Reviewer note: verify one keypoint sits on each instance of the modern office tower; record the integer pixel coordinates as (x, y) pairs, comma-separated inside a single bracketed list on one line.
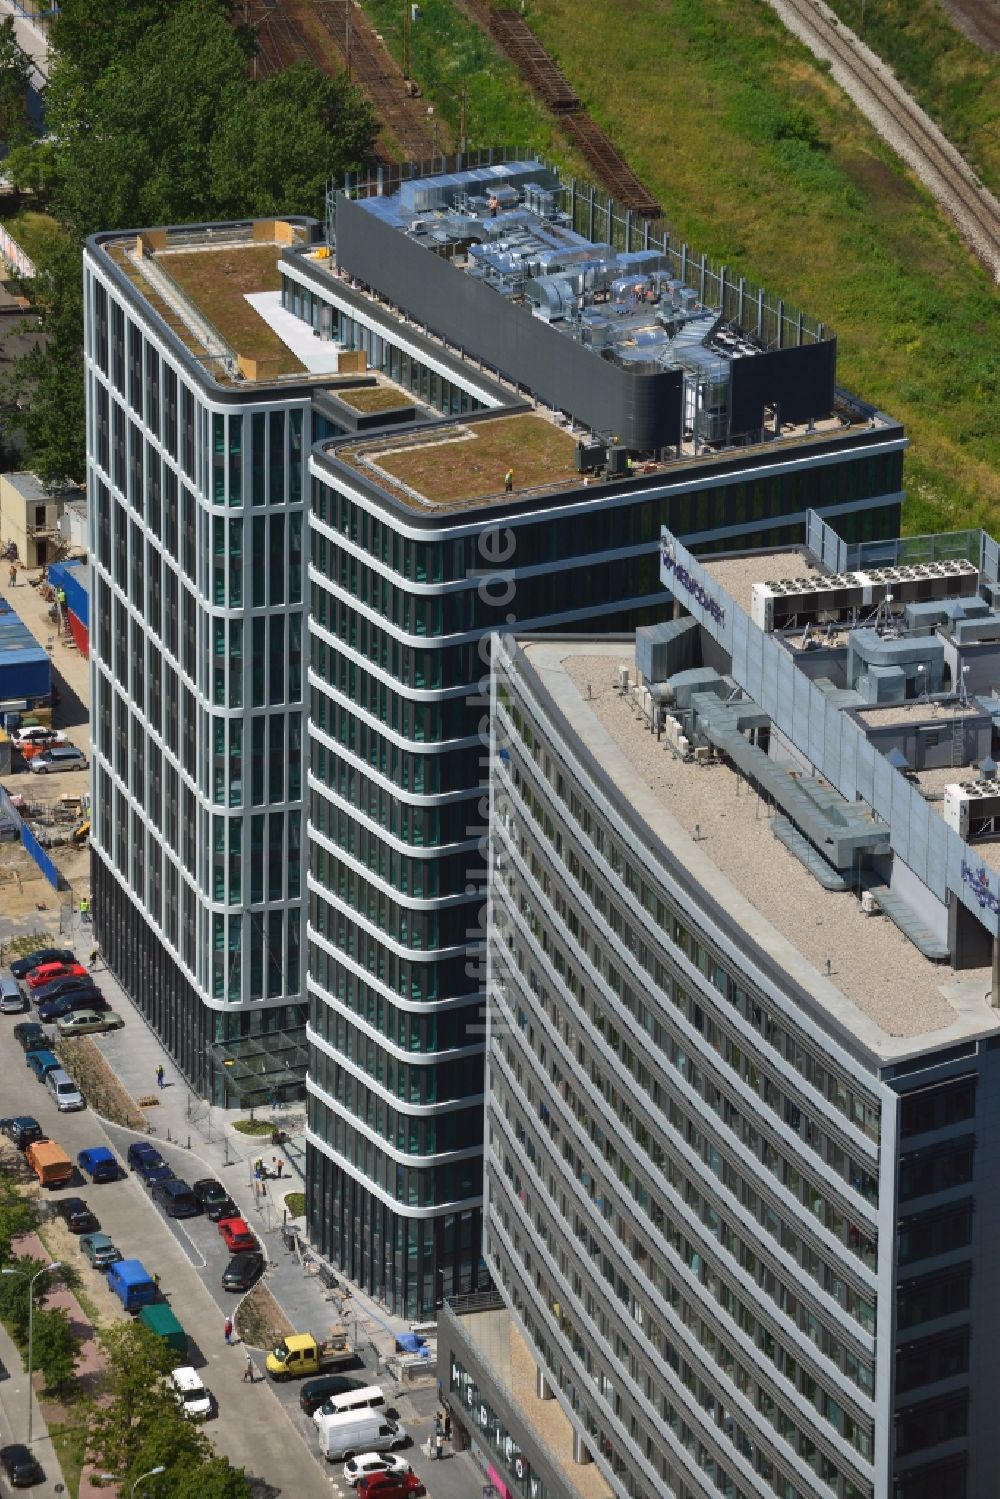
[(620, 386), (196, 442), (743, 1148), (507, 388)]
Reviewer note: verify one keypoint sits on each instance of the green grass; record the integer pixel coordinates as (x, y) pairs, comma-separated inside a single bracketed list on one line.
[(759, 158), (31, 230), (295, 1202), (447, 50), (955, 81), (371, 398), (20, 947), (254, 1127)]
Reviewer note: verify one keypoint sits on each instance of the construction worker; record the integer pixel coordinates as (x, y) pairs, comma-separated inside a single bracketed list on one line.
[(61, 600), (508, 481), (85, 906)]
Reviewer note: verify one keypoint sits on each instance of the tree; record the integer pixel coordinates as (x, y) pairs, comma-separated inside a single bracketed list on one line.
[(15, 80), (56, 1346), (153, 119), (14, 1294), (143, 1426), (16, 1218)]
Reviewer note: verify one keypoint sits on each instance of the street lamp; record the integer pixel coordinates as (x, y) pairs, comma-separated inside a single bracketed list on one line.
[(23, 1274), (115, 1478)]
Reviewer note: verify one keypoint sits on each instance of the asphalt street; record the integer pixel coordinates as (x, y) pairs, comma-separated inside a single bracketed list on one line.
[(254, 1423)]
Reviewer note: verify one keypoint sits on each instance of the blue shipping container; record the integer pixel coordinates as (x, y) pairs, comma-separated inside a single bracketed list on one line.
[(25, 668), (74, 579)]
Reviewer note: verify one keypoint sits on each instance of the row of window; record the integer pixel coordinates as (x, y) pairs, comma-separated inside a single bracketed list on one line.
[(423, 877), (401, 974), (418, 1031), (426, 1134), (422, 774), (734, 503), (435, 1082), (731, 1235), (422, 827), (412, 1185), (843, 1093)]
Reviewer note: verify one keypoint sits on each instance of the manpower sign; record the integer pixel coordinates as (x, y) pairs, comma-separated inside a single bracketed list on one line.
[(691, 586)]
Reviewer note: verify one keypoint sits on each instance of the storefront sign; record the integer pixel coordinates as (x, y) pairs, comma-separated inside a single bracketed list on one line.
[(676, 576)]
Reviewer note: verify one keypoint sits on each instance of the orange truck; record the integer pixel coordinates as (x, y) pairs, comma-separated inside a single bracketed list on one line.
[(50, 1163)]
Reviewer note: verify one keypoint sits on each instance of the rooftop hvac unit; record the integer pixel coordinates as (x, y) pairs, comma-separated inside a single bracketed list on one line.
[(974, 803), (623, 678), (869, 905)]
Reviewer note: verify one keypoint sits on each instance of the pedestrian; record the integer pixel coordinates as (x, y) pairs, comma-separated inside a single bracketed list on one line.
[(160, 1076), (12, 574), (227, 1328), (61, 598), (439, 1446), (156, 1279), (447, 1426), (84, 908), (248, 1372), (494, 205), (508, 481), (437, 1424), (94, 955)]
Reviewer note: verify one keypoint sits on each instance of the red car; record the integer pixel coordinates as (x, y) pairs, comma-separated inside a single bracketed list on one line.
[(51, 971), (237, 1235), (389, 1486)]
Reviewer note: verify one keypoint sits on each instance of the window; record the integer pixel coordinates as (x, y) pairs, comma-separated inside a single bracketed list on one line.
[(928, 1234), (928, 1297), (931, 1359), (938, 1107), (933, 1480), (931, 1423), (937, 1169)]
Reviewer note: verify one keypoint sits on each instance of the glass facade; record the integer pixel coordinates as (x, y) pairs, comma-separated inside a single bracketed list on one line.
[(400, 615), (196, 669)]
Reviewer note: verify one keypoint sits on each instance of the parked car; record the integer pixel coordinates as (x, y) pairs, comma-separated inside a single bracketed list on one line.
[(20, 1465), (46, 972), (236, 1235), (41, 1061), (242, 1271), (12, 1001), (315, 1391), (367, 1463), (99, 1164), (196, 1402), (389, 1486), (212, 1194), (22, 1130), (176, 1198), (21, 967), (147, 1163), (83, 999), (100, 1250), (37, 734), (29, 1035), (67, 1094), (58, 988), (77, 1216), (59, 757), (84, 1022)]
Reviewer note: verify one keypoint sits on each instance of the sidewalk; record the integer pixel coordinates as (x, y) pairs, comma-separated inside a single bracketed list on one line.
[(13, 1399)]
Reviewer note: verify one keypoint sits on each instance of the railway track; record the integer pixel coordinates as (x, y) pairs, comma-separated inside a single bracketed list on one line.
[(375, 71), (544, 77), (880, 96), (280, 40)]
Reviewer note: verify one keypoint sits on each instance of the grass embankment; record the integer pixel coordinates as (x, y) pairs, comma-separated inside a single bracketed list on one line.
[(760, 159), (955, 81)]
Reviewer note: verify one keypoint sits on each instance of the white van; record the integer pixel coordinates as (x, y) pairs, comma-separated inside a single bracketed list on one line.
[(196, 1402), (341, 1437), (64, 1090), (370, 1398)]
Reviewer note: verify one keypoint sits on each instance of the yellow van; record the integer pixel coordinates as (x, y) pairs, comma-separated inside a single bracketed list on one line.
[(50, 1163)]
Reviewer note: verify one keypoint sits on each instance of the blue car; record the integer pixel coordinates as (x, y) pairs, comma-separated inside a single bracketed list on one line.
[(82, 999), (99, 1164), (58, 987), (148, 1164)]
